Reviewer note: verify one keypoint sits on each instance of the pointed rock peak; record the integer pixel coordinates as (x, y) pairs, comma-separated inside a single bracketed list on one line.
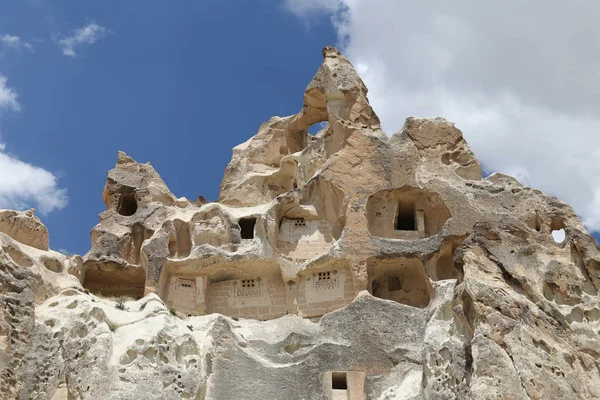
[(336, 73), (123, 158), (331, 51), (130, 178), (337, 92)]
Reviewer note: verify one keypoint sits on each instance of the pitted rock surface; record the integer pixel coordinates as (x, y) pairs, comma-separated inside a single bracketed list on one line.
[(348, 264)]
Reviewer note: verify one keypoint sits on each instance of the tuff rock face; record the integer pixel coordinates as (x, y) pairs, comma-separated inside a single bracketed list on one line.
[(342, 265)]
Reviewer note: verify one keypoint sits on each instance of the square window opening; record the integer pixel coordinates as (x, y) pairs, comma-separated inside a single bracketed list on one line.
[(247, 227), (324, 276), (339, 381)]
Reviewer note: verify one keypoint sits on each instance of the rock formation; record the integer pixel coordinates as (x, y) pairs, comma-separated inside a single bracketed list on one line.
[(341, 265)]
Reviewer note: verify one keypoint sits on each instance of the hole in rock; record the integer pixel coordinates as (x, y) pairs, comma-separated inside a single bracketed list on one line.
[(52, 264), (559, 235), (180, 240), (400, 280), (405, 221), (339, 381), (110, 279), (406, 213), (315, 128), (247, 227), (535, 223), (132, 248), (127, 204), (441, 265)]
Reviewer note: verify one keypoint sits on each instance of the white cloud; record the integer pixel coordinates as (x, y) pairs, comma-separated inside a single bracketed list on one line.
[(520, 79), (87, 35), (14, 42), (23, 185), (8, 97)]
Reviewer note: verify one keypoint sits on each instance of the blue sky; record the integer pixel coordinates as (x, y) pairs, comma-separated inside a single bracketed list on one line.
[(181, 83), (176, 85)]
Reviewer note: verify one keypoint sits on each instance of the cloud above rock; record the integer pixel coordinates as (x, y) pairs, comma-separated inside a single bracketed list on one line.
[(24, 185), (520, 79)]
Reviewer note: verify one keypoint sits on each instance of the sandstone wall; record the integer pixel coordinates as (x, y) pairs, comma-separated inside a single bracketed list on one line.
[(258, 298), (324, 291), (473, 299), (304, 239)]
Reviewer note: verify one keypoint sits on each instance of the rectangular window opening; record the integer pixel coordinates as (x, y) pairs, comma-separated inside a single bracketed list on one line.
[(406, 221), (339, 381), (247, 227), (393, 284)]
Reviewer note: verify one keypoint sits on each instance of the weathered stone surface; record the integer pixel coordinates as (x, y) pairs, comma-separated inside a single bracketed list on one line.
[(346, 264), (24, 227)]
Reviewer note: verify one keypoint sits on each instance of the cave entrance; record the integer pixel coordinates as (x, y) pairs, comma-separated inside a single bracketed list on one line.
[(247, 227), (127, 204), (400, 280), (407, 213), (111, 279)]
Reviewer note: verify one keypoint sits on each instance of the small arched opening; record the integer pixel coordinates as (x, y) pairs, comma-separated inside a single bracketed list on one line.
[(559, 235), (127, 204)]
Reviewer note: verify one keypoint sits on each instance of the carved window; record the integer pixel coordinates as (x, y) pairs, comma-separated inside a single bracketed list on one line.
[(247, 227), (328, 280), (322, 276), (300, 223), (339, 381), (405, 219), (247, 288), (248, 283), (295, 228), (186, 284)]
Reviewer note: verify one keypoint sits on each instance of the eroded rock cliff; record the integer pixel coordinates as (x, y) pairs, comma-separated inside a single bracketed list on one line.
[(341, 265)]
